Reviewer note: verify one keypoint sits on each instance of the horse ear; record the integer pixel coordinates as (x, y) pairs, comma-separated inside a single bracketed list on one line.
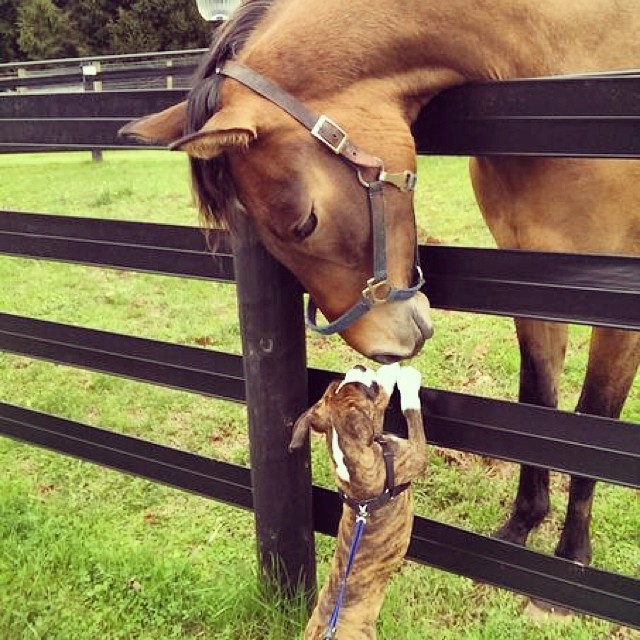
[(227, 129), (164, 127)]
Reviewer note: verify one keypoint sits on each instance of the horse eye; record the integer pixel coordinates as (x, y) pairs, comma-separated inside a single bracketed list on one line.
[(303, 231)]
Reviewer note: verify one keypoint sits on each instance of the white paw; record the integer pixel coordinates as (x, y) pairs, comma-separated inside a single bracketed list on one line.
[(387, 376), (409, 380), (356, 374)]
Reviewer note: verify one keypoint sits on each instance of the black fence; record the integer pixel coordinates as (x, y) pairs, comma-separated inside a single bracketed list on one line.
[(166, 69), (595, 290)]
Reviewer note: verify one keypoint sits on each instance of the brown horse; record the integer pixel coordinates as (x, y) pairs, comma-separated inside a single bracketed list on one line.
[(370, 66)]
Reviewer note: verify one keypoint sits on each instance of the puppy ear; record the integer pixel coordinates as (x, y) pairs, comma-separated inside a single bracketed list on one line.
[(308, 420), (300, 431), (313, 418)]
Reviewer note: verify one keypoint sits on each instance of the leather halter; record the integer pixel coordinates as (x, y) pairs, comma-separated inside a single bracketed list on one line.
[(390, 491), (378, 290)]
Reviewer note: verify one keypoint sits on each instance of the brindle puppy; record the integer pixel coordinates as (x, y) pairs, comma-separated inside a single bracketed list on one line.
[(350, 414)]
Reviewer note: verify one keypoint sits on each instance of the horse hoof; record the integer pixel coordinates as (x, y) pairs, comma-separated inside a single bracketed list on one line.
[(541, 612), (507, 534)]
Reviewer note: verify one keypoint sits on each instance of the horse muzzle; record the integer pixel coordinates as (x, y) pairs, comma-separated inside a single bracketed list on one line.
[(393, 332)]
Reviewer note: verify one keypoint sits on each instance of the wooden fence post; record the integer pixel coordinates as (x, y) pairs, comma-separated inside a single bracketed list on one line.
[(90, 73), (273, 340), (22, 73), (169, 64)]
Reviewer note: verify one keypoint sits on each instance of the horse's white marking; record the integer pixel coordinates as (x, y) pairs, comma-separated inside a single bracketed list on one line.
[(409, 385), (338, 457), (387, 376), (366, 377)]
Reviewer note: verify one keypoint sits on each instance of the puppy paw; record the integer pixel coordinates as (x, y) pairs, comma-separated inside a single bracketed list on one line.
[(408, 382), (387, 376)]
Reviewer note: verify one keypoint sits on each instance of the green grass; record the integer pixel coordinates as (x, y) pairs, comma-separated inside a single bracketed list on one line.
[(129, 185), (86, 552)]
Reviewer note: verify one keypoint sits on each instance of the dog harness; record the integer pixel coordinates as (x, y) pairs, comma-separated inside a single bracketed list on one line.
[(363, 509)]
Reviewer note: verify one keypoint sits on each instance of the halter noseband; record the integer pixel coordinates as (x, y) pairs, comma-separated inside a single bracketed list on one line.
[(378, 290)]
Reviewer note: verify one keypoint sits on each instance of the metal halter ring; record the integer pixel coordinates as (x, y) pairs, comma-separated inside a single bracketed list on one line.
[(377, 291)]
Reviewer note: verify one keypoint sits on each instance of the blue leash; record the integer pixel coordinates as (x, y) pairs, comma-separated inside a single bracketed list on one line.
[(361, 523)]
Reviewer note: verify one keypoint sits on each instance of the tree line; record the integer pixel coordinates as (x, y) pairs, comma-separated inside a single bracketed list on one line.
[(42, 29)]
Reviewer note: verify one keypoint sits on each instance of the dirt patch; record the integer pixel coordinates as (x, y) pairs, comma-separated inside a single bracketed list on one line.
[(465, 461)]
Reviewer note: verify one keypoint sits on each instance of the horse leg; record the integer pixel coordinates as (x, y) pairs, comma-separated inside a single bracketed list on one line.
[(613, 362), (542, 352)]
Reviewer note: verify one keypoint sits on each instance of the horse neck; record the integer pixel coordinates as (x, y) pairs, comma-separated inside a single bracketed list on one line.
[(427, 46)]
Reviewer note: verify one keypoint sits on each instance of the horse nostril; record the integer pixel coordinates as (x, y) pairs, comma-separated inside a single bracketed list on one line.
[(427, 331), (425, 325), (386, 358)]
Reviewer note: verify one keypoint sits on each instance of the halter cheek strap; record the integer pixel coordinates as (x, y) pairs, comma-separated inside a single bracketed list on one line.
[(378, 290), (320, 126)]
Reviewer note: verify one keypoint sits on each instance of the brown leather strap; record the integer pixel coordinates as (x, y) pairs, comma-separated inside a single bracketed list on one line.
[(320, 126), (387, 454), (375, 193)]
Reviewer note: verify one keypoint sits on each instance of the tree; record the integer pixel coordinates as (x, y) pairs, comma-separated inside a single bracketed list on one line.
[(41, 29), (44, 31), (158, 25), (93, 19), (8, 30)]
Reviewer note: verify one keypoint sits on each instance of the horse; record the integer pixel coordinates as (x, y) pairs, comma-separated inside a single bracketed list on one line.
[(331, 197)]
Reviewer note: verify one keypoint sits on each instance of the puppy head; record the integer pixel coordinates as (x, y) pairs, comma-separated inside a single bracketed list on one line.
[(350, 414)]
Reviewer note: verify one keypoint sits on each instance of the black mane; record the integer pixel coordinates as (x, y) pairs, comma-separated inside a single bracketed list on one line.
[(211, 179)]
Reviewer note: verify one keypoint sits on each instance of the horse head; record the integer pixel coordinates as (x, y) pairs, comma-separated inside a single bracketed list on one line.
[(307, 183)]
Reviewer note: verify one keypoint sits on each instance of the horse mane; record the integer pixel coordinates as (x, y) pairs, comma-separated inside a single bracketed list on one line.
[(212, 185)]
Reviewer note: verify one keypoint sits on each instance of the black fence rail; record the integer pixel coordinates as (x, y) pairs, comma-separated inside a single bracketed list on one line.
[(600, 448), (525, 117), (564, 441), (586, 289), (536, 118), (469, 554)]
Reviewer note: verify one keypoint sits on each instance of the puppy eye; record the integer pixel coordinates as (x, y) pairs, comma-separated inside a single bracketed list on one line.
[(303, 231)]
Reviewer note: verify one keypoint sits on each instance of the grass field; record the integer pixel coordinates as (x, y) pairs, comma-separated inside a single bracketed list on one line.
[(87, 553)]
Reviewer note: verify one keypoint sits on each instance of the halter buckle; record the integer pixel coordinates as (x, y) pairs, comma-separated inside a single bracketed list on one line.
[(377, 291), (335, 138), (405, 180)]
